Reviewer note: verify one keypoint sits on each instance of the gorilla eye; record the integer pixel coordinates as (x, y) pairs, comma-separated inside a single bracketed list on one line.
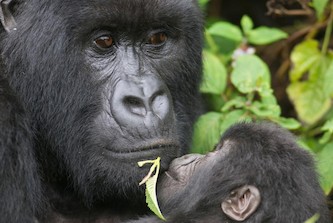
[(157, 38), (104, 42)]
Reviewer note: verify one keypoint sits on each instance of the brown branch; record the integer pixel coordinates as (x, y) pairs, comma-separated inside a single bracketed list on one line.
[(278, 8)]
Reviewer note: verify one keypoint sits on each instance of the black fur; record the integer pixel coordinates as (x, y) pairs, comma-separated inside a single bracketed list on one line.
[(262, 155), (61, 103)]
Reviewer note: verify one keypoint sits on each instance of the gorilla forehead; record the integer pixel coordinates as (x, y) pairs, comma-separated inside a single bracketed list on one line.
[(131, 14)]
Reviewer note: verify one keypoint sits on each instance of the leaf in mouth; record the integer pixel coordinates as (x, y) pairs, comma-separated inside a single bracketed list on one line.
[(150, 180)]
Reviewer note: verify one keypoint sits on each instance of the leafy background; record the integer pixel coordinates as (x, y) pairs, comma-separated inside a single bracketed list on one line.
[(239, 82)]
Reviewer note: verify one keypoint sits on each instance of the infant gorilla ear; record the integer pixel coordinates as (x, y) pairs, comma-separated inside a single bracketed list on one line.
[(257, 173), (241, 203)]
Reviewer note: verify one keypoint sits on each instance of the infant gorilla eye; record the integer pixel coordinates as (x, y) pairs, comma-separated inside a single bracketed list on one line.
[(104, 42), (157, 38)]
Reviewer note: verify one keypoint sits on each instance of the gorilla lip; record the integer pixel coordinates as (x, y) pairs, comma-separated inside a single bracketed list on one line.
[(146, 148)]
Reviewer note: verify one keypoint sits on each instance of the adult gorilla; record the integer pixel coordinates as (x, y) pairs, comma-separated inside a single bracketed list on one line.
[(91, 87)]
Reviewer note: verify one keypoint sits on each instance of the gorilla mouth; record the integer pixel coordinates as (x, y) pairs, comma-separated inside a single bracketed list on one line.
[(148, 148)]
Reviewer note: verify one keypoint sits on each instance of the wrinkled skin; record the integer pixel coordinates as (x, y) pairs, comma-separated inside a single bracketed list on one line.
[(102, 84)]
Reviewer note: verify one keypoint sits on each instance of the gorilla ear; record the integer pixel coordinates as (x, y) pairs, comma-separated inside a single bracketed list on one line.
[(6, 17), (241, 203)]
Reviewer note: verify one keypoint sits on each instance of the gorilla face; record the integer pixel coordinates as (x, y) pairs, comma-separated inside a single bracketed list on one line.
[(108, 83)]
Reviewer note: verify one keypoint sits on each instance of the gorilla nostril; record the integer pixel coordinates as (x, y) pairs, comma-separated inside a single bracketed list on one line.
[(135, 105), (160, 104)]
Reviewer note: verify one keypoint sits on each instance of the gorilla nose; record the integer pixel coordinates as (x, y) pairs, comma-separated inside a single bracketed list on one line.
[(145, 101), (157, 103)]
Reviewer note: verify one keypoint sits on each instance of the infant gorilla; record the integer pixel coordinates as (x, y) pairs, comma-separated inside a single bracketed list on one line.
[(257, 173)]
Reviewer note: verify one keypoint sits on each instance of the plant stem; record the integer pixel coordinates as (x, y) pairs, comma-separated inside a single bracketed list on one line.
[(328, 33)]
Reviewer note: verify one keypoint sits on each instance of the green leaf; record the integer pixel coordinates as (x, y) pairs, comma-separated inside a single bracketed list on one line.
[(304, 57), (231, 118), (215, 75), (310, 101), (151, 181), (237, 102), (250, 74), (328, 126), (325, 138), (314, 219), (226, 30), (206, 132), (325, 167), (319, 6), (247, 24), (288, 123), (264, 110), (267, 97), (328, 129), (265, 35)]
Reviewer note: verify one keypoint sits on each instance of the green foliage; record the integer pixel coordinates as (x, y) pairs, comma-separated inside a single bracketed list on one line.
[(237, 86), (319, 6), (203, 3), (312, 97), (215, 74), (325, 166), (265, 35), (151, 180)]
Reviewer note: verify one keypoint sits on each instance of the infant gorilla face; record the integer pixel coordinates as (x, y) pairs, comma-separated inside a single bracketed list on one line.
[(190, 172), (182, 169)]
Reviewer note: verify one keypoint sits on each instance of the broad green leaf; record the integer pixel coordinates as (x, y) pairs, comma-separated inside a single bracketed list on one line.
[(267, 96), (269, 101), (237, 102), (328, 129), (325, 138), (231, 118), (215, 75), (151, 180), (319, 6), (325, 167), (250, 74), (314, 219), (226, 30), (310, 101), (304, 57), (328, 126), (265, 110), (247, 24), (265, 35), (206, 132), (288, 123)]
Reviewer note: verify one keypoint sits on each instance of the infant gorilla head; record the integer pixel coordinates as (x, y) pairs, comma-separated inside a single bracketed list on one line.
[(257, 173)]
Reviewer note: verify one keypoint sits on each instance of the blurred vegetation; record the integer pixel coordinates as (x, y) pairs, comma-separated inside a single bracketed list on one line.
[(282, 74)]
